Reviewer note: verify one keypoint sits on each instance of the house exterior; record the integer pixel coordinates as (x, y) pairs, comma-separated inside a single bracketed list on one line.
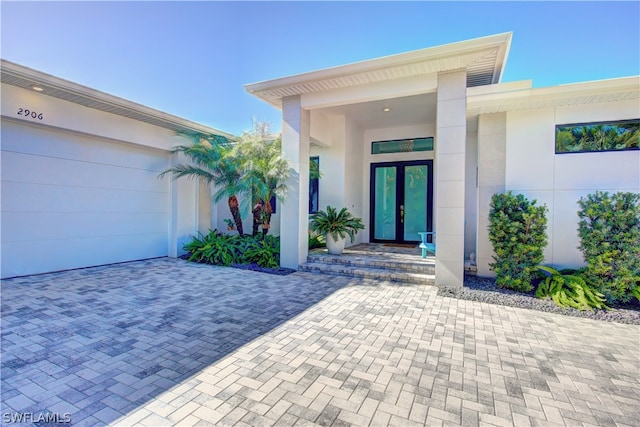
[(413, 142), (79, 179), (420, 141)]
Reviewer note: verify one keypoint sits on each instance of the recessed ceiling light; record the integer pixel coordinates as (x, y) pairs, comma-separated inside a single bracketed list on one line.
[(386, 109), (37, 88)]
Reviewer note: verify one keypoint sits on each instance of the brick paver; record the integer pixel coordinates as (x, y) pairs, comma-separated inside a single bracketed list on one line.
[(164, 342)]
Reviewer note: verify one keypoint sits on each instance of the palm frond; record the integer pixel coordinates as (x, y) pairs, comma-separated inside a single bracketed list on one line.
[(189, 171)]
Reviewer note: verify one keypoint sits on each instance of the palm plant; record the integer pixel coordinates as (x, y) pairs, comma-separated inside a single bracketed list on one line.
[(265, 171), (336, 226), (212, 161)]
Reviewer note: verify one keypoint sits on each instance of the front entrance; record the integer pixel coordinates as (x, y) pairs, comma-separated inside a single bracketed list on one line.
[(401, 201)]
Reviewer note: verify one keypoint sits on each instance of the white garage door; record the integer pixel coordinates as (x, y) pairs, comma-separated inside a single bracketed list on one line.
[(70, 201)]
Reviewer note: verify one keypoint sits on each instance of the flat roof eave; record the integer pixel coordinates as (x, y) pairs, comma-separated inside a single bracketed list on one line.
[(25, 77), (430, 60)]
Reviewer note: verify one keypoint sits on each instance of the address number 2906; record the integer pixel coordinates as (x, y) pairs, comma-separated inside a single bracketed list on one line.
[(25, 112)]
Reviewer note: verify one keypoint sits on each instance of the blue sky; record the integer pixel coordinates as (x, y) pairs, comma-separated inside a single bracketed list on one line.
[(192, 59)]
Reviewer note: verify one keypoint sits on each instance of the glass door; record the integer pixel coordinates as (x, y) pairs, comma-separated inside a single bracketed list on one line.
[(401, 201)]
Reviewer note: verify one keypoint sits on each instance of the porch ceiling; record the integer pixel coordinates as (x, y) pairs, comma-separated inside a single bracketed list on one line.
[(405, 111)]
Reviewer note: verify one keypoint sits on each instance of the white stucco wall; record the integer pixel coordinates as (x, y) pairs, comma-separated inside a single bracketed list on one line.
[(332, 164), (80, 188), (559, 180), (354, 186), (341, 167)]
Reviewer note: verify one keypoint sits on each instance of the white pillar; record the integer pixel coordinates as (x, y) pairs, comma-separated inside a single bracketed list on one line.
[(294, 216), (204, 207), (492, 141), (183, 221), (451, 125)]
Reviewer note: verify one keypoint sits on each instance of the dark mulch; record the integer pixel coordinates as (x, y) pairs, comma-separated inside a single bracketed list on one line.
[(280, 271)]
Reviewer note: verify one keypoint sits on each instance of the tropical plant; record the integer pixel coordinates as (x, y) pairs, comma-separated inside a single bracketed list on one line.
[(517, 230), (314, 168), (221, 249), (316, 241), (211, 159), (336, 224), (214, 248), (264, 251), (265, 170), (609, 231), (568, 290)]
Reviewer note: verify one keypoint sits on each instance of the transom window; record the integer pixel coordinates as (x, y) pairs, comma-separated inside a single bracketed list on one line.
[(402, 145)]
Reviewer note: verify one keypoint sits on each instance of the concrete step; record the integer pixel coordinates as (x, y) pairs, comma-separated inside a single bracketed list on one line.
[(350, 270), (397, 264)]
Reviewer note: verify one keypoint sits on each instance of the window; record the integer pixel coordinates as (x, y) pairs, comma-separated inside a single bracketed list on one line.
[(598, 136), (402, 146), (314, 178)]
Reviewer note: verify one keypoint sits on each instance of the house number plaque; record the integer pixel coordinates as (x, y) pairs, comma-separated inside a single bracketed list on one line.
[(27, 113)]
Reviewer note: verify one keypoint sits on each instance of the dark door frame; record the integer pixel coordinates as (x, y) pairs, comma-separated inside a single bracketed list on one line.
[(399, 198)]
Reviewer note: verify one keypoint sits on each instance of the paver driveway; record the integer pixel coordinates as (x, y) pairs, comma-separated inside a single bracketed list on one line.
[(163, 342)]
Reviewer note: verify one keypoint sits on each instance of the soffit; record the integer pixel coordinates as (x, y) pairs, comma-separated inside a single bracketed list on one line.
[(23, 77), (483, 58), (622, 89)]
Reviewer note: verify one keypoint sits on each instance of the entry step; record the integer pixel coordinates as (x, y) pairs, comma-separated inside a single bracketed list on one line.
[(369, 272)]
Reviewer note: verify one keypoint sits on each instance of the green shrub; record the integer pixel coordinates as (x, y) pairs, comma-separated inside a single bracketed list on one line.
[(568, 290), (609, 231), (316, 241), (214, 248), (264, 252), (517, 231), (222, 249)]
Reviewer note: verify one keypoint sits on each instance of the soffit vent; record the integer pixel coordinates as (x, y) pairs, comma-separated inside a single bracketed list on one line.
[(22, 77)]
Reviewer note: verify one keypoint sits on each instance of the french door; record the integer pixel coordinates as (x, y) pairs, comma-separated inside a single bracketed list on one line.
[(401, 201)]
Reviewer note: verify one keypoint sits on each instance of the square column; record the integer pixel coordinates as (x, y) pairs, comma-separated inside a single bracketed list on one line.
[(492, 142), (294, 216), (183, 218), (451, 130)]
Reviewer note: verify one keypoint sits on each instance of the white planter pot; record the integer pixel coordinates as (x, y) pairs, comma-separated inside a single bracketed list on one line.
[(335, 247)]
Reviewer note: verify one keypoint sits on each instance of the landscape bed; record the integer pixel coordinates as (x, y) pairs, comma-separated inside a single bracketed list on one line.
[(485, 290)]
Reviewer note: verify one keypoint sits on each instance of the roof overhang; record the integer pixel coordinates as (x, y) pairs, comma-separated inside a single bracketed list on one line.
[(513, 96), (484, 59), (24, 77)]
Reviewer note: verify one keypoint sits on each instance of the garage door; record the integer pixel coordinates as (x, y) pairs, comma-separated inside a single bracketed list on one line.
[(72, 200)]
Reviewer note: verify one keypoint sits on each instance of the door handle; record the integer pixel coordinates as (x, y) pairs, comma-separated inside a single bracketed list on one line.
[(401, 214)]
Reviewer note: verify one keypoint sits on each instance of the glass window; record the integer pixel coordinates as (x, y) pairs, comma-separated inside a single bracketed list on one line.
[(598, 136), (314, 178), (402, 146)]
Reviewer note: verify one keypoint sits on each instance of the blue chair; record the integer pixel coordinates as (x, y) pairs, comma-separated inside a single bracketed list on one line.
[(426, 246)]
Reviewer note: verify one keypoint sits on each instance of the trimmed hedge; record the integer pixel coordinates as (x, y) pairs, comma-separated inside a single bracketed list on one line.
[(609, 231), (517, 231)]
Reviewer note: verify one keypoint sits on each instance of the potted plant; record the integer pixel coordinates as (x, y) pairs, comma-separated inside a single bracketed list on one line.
[(336, 226)]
